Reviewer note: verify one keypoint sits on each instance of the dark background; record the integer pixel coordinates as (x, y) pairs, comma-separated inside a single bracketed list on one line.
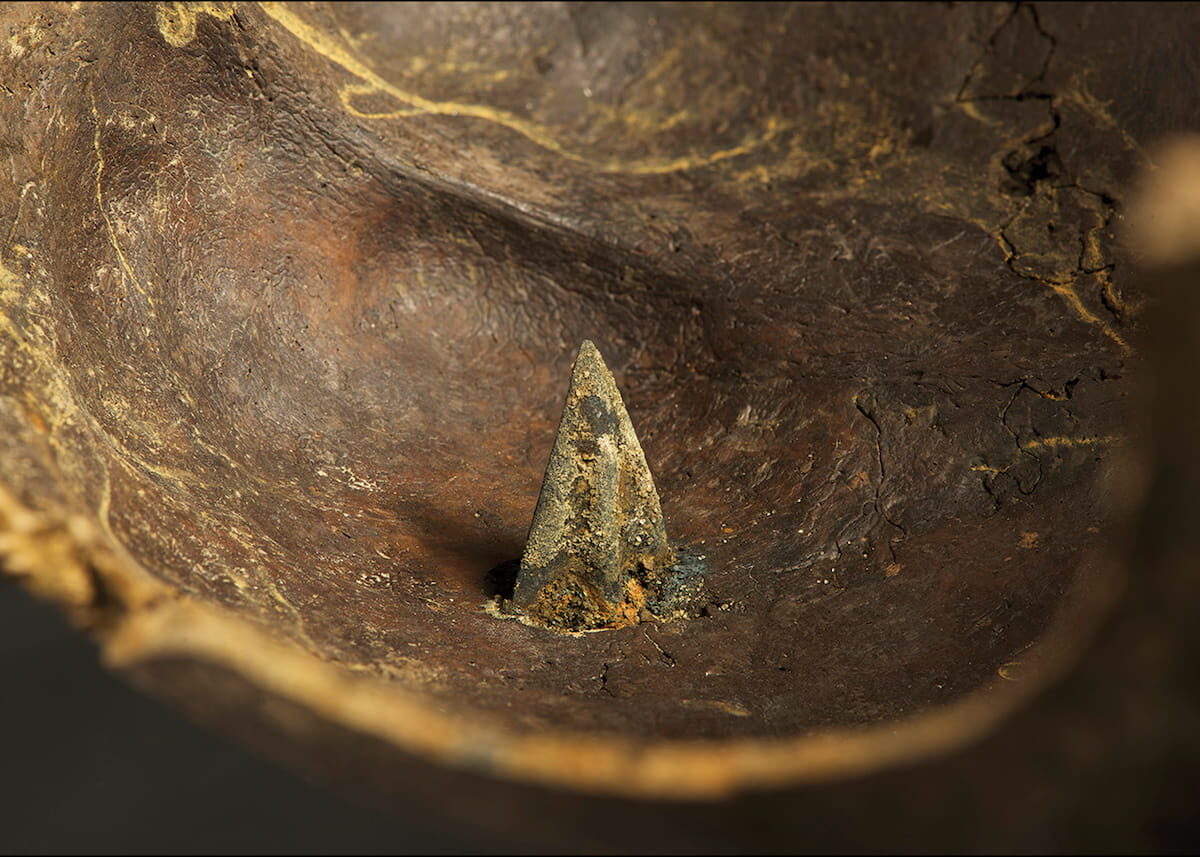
[(88, 764)]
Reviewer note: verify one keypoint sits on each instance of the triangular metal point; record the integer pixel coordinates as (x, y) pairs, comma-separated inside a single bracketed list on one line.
[(597, 543)]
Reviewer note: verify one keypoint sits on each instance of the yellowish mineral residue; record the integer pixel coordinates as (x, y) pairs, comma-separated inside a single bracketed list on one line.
[(177, 21)]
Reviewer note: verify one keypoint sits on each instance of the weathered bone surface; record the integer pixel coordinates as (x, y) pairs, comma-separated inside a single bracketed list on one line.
[(598, 541), (287, 300)]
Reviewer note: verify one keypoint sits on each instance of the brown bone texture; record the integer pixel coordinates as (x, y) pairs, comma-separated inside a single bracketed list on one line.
[(289, 294)]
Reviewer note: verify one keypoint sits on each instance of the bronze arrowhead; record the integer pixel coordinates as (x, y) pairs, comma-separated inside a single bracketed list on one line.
[(597, 546)]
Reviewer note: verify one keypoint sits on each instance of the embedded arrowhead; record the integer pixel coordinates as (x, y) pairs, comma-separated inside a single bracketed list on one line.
[(597, 541)]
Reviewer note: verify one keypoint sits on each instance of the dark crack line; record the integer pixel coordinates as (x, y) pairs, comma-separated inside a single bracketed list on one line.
[(1104, 271), (987, 48), (1108, 298), (879, 510), (1108, 209), (1048, 36), (1026, 90), (604, 681), (1108, 205), (1024, 385)]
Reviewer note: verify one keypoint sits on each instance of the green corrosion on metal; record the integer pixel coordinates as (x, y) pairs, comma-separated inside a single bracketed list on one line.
[(597, 555)]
